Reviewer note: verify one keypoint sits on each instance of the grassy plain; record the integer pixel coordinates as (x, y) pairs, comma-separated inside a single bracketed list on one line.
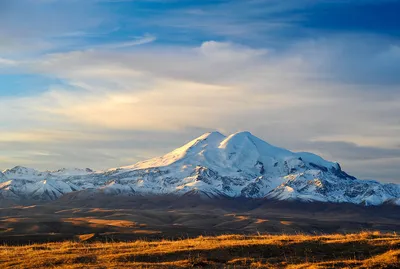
[(359, 250)]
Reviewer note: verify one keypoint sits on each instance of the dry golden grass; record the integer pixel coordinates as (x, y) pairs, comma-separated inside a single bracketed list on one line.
[(362, 250)]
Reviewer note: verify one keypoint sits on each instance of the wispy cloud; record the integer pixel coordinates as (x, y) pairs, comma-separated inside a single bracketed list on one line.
[(7, 62), (282, 97), (135, 42)]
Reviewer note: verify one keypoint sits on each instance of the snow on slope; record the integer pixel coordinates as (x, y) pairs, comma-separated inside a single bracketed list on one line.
[(193, 149), (71, 172), (20, 172), (2, 177), (27, 183), (240, 151), (212, 165)]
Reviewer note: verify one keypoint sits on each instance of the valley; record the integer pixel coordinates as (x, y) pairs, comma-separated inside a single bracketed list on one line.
[(115, 218)]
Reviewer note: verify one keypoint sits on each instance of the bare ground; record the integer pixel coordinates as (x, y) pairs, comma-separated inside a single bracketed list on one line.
[(116, 218)]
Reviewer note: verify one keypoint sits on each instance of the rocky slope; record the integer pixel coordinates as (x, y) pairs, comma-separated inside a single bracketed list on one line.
[(212, 165)]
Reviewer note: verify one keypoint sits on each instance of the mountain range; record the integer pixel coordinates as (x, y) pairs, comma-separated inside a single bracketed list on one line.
[(210, 166)]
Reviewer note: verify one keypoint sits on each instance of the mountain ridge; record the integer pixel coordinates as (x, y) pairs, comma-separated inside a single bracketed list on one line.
[(238, 165)]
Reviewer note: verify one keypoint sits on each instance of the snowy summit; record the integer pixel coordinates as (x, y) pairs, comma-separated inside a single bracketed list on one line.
[(212, 165)]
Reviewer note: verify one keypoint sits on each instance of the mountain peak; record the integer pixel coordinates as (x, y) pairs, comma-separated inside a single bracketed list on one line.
[(20, 169), (208, 139), (243, 134), (246, 141), (212, 165), (195, 146), (213, 134)]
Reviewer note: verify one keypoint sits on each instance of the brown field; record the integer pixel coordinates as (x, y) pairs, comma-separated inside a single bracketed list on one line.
[(164, 217), (189, 232), (361, 250)]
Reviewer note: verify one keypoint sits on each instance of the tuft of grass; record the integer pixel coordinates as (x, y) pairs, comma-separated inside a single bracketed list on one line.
[(362, 250)]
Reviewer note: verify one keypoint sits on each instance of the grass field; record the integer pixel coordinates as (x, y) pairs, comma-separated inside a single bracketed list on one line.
[(362, 250)]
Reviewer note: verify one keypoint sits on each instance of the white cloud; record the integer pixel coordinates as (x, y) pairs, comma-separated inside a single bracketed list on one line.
[(164, 91), (7, 62)]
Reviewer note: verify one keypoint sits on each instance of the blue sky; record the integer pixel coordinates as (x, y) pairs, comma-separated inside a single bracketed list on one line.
[(104, 83)]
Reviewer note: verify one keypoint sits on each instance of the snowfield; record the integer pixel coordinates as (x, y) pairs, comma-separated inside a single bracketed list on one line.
[(212, 165)]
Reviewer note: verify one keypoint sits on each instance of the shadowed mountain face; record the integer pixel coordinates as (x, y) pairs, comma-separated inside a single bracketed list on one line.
[(212, 166)]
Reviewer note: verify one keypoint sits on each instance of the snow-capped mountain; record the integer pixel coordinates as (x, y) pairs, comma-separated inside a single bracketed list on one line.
[(20, 172), (212, 165)]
